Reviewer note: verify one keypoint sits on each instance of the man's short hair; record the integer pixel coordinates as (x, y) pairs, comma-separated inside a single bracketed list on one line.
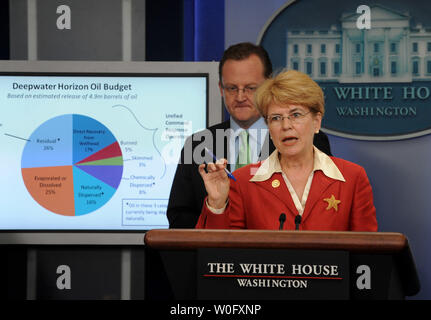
[(242, 51)]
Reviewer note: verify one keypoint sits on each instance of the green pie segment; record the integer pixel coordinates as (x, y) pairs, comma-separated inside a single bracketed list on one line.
[(116, 161)]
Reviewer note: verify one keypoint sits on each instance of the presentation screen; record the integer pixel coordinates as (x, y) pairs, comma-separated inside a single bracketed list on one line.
[(94, 151)]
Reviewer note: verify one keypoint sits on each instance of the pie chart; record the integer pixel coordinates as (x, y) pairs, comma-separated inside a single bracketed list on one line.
[(72, 165)]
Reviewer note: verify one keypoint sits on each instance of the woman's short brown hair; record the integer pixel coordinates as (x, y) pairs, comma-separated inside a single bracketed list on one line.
[(290, 87)]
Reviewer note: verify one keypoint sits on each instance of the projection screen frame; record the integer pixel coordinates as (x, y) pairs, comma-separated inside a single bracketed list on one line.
[(95, 68)]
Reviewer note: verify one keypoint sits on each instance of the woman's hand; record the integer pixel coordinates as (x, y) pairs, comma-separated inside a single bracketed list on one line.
[(216, 183)]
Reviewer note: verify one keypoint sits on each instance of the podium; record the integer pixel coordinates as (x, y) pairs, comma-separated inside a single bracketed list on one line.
[(189, 264)]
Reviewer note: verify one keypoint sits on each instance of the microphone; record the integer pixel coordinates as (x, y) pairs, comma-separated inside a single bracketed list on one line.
[(298, 219), (282, 219)]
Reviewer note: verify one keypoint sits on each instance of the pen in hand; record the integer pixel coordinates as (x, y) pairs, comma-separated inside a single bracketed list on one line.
[(229, 174)]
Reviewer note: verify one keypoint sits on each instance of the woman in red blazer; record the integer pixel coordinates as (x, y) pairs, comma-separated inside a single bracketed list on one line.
[(298, 186)]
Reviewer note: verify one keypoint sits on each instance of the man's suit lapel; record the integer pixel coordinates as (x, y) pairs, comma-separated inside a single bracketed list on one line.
[(267, 148), (224, 152)]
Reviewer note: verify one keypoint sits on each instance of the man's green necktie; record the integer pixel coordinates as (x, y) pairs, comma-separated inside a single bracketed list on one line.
[(244, 150)]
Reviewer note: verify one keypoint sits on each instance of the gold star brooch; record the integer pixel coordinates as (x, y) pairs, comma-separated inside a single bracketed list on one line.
[(332, 203)]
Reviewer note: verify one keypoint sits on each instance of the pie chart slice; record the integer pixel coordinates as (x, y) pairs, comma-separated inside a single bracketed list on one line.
[(50, 144), (103, 162), (51, 187), (111, 175), (51, 172), (89, 137), (90, 193)]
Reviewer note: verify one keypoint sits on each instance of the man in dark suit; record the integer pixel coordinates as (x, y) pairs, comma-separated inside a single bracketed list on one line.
[(242, 69)]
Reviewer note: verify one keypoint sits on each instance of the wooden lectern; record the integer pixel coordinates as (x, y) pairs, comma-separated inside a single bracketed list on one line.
[(255, 264)]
